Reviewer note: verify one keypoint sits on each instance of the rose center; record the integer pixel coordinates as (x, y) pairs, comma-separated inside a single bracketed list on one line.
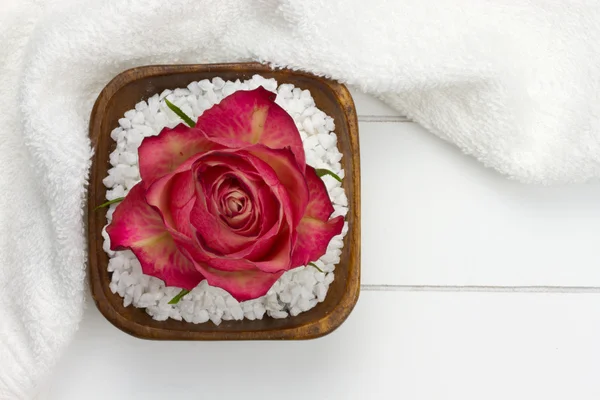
[(234, 202), (235, 205)]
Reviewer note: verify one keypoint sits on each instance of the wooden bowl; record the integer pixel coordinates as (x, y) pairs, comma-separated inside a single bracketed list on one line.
[(134, 85)]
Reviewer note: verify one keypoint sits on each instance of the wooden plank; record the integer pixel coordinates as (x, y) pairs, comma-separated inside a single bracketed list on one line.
[(433, 216), (411, 345)]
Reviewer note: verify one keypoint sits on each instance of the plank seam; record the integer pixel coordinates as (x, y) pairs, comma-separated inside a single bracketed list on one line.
[(475, 289)]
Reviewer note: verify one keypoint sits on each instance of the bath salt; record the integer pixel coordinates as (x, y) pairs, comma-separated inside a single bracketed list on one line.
[(297, 290)]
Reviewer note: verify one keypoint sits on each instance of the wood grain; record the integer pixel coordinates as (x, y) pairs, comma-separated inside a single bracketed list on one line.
[(137, 84)]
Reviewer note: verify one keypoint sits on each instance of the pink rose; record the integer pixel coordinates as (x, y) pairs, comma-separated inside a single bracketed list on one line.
[(231, 200)]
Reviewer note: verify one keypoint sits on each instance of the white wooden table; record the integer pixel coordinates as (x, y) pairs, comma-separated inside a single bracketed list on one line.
[(474, 287)]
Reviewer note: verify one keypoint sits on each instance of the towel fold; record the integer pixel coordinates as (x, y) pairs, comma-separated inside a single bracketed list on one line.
[(513, 83)]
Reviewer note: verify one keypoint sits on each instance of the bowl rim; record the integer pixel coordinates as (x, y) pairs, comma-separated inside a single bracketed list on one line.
[(310, 330)]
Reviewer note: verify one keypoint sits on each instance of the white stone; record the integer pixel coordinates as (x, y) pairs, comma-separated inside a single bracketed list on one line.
[(194, 87), (326, 140), (329, 278), (278, 314), (218, 83), (320, 292), (125, 123), (308, 126), (329, 124), (297, 290), (200, 317), (138, 118)]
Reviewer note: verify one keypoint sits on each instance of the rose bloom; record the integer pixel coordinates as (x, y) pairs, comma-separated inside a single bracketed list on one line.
[(230, 200)]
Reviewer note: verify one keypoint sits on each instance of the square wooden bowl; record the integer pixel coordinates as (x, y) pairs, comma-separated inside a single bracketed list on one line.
[(134, 85)]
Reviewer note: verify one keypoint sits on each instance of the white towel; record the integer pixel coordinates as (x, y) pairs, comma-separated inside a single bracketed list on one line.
[(513, 83)]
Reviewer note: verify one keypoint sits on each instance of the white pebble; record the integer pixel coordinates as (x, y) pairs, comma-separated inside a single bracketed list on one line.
[(208, 301), (205, 84), (342, 200), (285, 91), (329, 124), (153, 103), (215, 319), (320, 151), (285, 297), (145, 130), (131, 172), (220, 302), (326, 140), (128, 158), (329, 278), (318, 119), (227, 315), (200, 317), (228, 89), (115, 264), (297, 290), (181, 92), (330, 257), (319, 276), (130, 114), (308, 126), (194, 87), (125, 123), (237, 312), (259, 310), (309, 112), (303, 304), (211, 97), (311, 142), (320, 291), (138, 119), (330, 183), (113, 159), (134, 137), (142, 105), (116, 192), (109, 181), (334, 157), (116, 133), (278, 314), (218, 83), (115, 276), (307, 99)]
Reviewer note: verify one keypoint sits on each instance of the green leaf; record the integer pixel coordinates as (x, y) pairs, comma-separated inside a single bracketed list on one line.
[(320, 172), (180, 113), (315, 265), (176, 299), (108, 203)]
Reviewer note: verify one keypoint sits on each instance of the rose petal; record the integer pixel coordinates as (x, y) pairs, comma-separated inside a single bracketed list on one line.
[(181, 202), (242, 284), (315, 230), (173, 197), (139, 227), (253, 117), (162, 154), (270, 252), (279, 258), (289, 175), (215, 235), (319, 205), (212, 233), (313, 238)]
